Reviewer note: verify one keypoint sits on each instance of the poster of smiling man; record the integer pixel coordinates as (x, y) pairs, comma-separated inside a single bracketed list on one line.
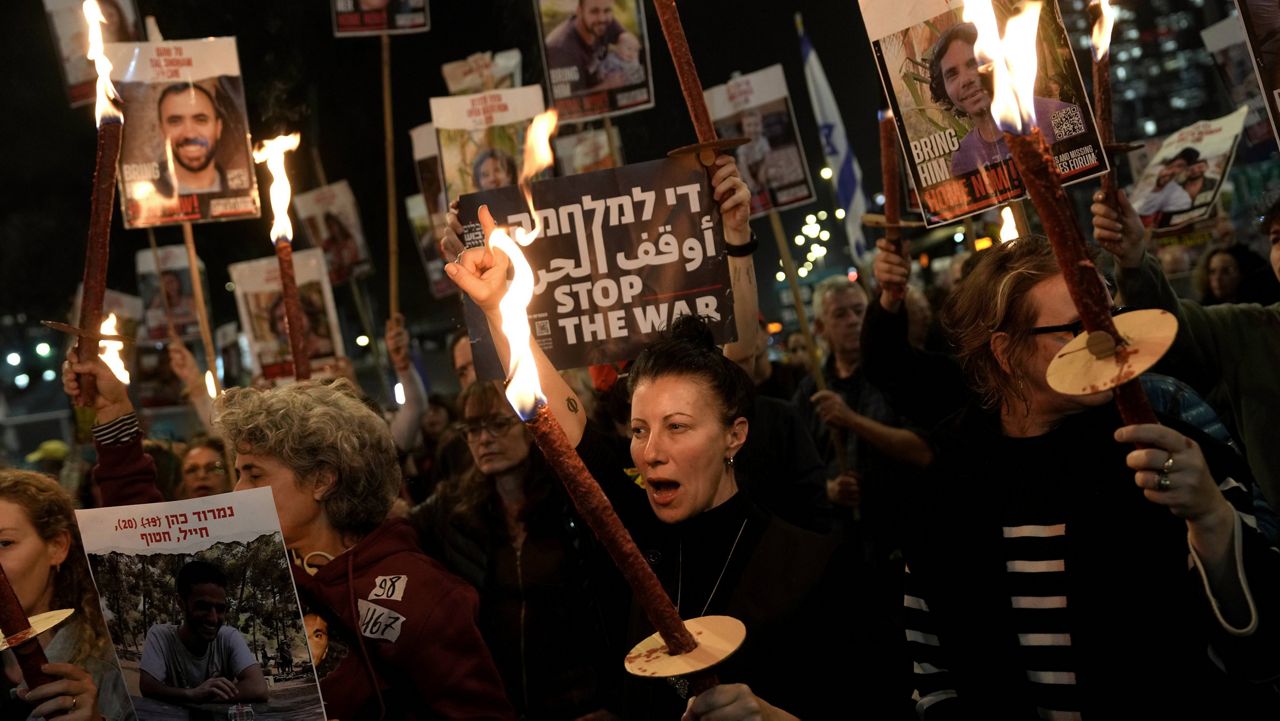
[(941, 99), (186, 150), (596, 55)]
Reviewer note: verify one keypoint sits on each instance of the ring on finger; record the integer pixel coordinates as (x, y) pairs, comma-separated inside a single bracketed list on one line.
[(74, 702), (1163, 483), (1167, 468)]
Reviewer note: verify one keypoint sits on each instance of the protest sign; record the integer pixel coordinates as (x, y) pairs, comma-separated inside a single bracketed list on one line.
[(956, 154), (607, 75), (185, 156), (260, 301), (756, 106), (160, 566), (621, 254)]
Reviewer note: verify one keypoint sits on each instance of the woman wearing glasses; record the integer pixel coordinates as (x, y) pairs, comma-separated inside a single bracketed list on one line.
[(550, 601), (204, 472), (1061, 565)]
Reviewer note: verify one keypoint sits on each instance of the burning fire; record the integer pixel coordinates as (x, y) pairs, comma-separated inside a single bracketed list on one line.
[(1102, 28), (272, 153), (104, 109), (1012, 60), (209, 386), (524, 391), (109, 350), (1008, 228)]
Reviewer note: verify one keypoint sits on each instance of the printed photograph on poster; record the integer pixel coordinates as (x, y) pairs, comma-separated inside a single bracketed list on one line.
[(167, 293), (481, 137), (353, 18), (173, 579), (232, 349), (332, 219), (622, 253), (1225, 42), (756, 106), (1261, 21), (956, 154), (186, 150), (262, 314), (71, 40), (483, 71), (1181, 182), (596, 57), (426, 237), (587, 150)]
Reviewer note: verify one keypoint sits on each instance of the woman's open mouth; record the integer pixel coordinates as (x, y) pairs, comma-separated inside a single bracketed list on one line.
[(663, 492)]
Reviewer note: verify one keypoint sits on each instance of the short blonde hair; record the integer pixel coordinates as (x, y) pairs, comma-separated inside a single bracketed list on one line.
[(313, 427)]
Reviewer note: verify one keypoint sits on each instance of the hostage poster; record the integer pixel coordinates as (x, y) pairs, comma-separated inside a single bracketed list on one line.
[(622, 253), (956, 155), (1225, 41), (332, 221), (167, 295), (186, 155), (71, 40), (262, 314), (482, 71), (1181, 182), (756, 107), (596, 55), (1261, 20), (210, 572), (481, 137), (352, 18)]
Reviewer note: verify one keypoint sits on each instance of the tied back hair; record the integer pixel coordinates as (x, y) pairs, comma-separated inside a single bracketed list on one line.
[(688, 348)]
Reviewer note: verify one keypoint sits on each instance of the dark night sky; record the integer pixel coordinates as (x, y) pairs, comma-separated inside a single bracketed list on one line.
[(298, 77)]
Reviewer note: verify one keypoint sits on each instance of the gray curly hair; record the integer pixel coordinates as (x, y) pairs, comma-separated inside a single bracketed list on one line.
[(314, 427)]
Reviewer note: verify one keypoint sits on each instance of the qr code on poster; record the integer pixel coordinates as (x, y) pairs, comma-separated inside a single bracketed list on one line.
[(1067, 122), (542, 327)]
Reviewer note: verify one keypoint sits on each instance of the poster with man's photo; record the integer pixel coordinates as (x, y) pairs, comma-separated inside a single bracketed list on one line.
[(71, 40), (481, 137), (186, 155), (202, 609), (596, 56), (621, 254), (1261, 21), (426, 161), (757, 107), (483, 71), (332, 222), (426, 237), (587, 150), (352, 18), (955, 152), (260, 301), (1181, 182), (167, 295), (1225, 41)]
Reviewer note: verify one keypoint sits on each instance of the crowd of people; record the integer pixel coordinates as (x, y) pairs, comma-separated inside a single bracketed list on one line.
[(922, 530)]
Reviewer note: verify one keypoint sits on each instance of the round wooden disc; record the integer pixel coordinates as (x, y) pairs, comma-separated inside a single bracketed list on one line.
[(39, 624), (1076, 370), (717, 636)]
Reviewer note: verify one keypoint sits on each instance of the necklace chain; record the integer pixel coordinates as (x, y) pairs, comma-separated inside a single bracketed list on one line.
[(680, 580)]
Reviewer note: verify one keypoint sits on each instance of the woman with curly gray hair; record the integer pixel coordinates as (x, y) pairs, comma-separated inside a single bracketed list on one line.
[(404, 627)]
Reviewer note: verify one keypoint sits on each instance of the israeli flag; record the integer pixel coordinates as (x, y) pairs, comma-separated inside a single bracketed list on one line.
[(835, 145)]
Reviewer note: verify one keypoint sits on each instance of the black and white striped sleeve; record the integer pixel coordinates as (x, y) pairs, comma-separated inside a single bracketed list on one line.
[(121, 430), (934, 694)]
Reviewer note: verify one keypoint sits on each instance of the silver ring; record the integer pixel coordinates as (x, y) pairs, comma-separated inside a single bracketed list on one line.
[(74, 702), (1168, 465), (1163, 484)]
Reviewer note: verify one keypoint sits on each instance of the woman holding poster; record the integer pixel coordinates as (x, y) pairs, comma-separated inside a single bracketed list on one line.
[(43, 559)]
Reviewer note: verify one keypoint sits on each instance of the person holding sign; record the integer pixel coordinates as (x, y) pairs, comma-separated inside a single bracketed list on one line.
[(43, 558), (407, 625)]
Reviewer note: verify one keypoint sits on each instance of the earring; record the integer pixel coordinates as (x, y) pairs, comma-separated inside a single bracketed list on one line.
[(728, 462)]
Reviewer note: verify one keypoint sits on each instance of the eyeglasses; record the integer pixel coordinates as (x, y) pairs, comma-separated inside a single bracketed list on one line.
[(1076, 327), (208, 469), (496, 425)]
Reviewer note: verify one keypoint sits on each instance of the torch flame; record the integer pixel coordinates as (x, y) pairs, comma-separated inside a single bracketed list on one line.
[(209, 386), (272, 153), (1102, 26), (1012, 60), (1008, 228), (104, 109), (537, 157), (110, 349)]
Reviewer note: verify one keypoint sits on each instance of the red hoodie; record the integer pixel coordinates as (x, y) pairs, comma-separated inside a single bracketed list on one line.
[(420, 654)]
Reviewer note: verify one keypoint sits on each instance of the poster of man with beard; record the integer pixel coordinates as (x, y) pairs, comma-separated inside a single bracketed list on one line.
[(186, 150)]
